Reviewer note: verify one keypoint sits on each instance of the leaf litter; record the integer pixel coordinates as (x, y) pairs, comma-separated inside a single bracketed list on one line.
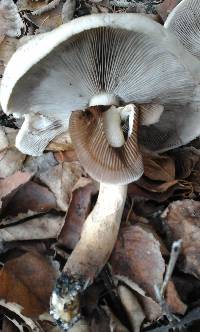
[(45, 201)]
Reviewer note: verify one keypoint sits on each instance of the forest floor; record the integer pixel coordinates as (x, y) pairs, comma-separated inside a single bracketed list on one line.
[(45, 200)]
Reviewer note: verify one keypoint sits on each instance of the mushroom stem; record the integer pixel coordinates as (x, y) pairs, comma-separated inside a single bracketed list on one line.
[(112, 127), (97, 240)]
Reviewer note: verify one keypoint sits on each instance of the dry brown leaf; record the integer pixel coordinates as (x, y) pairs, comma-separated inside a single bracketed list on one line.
[(23, 280), (43, 227), (185, 160), (152, 190), (159, 168), (11, 184), (173, 300), (78, 211), (182, 220), (133, 308), (60, 180), (49, 20), (32, 197), (137, 256), (195, 180)]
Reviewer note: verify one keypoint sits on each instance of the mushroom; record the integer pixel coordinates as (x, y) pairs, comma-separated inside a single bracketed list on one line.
[(107, 77), (173, 129)]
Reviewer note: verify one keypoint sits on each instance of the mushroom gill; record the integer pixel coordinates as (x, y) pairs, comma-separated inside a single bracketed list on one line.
[(105, 163)]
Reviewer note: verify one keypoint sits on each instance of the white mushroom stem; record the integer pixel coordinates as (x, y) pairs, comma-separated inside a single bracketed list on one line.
[(99, 233), (98, 236), (112, 127), (97, 240)]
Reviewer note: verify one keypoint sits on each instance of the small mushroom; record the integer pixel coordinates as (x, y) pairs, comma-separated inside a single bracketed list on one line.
[(107, 77)]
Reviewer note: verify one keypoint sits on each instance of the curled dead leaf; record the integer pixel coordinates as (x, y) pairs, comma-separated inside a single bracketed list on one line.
[(23, 280), (79, 209), (31, 197), (41, 227), (11, 184), (159, 168), (137, 256)]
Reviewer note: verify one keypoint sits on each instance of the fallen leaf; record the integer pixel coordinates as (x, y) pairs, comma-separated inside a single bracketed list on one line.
[(11, 184), (173, 300), (182, 221), (60, 180), (185, 161), (133, 308), (151, 190), (159, 168), (23, 280), (137, 256), (79, 209), (42, 227), (31, 197)]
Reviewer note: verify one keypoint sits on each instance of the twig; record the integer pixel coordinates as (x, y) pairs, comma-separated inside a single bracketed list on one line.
[(175, 251)]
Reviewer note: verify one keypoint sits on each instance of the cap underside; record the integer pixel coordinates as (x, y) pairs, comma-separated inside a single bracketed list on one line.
[(102, 161), (123, 63), (184, 22)]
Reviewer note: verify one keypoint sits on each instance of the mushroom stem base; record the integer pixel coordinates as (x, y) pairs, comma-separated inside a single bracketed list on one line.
[(98, 237)]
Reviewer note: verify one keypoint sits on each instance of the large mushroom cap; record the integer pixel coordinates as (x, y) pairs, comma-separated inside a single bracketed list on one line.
[(97, 60), (124, 55)]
